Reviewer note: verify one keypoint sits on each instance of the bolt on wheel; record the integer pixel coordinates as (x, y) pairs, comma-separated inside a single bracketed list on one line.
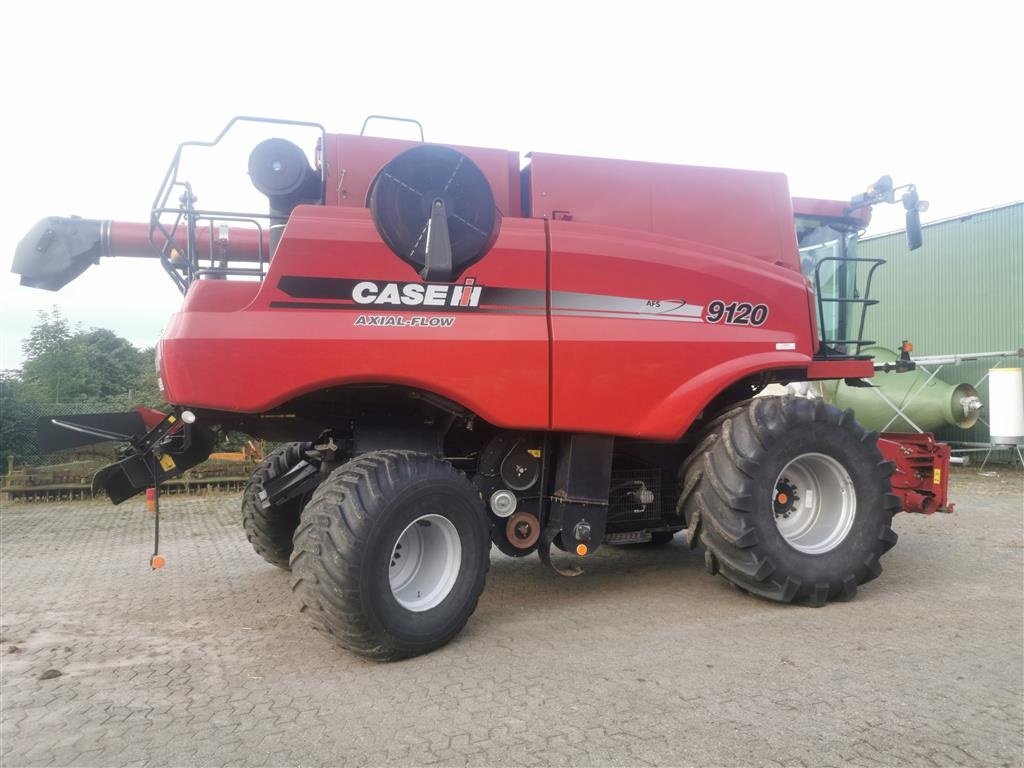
[(425, 563), (814, 503)]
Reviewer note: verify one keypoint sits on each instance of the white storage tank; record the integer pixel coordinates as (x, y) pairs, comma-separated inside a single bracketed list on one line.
[(1006, 406)]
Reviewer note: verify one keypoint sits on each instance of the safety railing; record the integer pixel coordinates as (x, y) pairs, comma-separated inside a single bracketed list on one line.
[(175, 222), (839, 347)]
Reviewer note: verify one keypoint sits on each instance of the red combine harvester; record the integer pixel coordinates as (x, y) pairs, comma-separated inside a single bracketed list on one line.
[(463, 348)]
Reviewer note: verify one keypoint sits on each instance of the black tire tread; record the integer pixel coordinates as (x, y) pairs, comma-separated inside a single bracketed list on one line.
[(329, 548), (691, 473), (716, 504), (270, 530)]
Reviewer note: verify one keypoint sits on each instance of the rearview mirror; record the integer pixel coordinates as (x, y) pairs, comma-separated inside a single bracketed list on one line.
[(914, 237), (912, 204)]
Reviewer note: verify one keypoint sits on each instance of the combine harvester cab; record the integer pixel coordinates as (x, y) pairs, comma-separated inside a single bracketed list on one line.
[(462, 347)]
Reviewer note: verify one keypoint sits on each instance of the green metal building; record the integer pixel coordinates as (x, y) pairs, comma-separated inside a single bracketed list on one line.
[(961, 292)]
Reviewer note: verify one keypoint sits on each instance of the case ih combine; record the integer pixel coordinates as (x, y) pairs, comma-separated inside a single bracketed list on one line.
[(462, 348)]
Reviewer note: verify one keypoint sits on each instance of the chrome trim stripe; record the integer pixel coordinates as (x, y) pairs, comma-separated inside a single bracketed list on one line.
[(596, 302), (597, 314)]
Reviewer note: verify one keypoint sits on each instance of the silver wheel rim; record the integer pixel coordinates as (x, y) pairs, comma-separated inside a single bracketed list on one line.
[(814, 503), (425, 563)]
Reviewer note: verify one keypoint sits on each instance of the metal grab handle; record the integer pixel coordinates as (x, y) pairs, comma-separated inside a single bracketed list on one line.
[(864, 300), (362, 131)]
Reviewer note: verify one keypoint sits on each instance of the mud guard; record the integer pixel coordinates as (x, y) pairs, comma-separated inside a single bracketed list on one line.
[(578, 510), (552, 530), (544, 552)]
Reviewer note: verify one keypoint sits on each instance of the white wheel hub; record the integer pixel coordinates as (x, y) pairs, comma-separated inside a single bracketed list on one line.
[(814, 503), (425, 563)]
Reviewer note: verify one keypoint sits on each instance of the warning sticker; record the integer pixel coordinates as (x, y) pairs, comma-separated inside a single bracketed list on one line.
[(937, 477)]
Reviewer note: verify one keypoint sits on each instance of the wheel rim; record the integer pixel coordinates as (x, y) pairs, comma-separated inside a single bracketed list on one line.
[(814, 503), (425, 563)]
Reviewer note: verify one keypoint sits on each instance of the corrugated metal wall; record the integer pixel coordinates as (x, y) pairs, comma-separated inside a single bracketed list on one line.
[(962, 291)]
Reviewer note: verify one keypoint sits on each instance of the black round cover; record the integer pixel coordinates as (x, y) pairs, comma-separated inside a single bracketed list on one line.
[(279, 168), (403, 191)]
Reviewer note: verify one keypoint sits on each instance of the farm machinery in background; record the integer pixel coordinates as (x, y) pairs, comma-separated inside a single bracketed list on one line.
[(465, 348), (72, 479), (907, 402)]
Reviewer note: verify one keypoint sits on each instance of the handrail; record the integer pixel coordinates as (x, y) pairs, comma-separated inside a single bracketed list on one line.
[(183, 272), (865, 301)]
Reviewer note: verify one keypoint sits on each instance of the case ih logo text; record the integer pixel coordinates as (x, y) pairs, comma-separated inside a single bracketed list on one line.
[(465, 294)]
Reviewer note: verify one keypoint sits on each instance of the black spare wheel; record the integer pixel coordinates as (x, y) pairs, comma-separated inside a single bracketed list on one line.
[(269, 527)]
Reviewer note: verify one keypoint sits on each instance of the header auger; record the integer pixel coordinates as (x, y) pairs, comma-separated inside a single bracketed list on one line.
[(462, 347)]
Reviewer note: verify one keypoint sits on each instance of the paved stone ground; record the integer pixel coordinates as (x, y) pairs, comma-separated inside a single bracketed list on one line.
[(645, 660)]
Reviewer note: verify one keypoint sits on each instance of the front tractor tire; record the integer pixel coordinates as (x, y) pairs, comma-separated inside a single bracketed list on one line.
[(270, 528), (791, 500), (391, 554)]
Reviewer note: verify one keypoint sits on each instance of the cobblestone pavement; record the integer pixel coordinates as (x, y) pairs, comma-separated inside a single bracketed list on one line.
[(643, 660)]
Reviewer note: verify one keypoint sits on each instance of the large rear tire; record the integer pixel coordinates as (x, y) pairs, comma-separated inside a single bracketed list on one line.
[(791, 500), (391, 554), (270, 528)]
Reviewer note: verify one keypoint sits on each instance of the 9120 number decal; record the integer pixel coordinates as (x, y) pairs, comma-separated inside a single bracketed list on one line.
[(736, 313)]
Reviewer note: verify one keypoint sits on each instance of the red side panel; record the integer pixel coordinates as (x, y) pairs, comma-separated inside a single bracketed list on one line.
[(695, 287), (743, 211), (635, 349), (219, 295), (309, 334)]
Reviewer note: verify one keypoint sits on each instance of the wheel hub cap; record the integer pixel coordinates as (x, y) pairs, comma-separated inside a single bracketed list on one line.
[(814, 503), (425, 563)]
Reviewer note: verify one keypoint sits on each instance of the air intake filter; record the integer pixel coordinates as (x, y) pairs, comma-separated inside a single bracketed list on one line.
[(433, 207)]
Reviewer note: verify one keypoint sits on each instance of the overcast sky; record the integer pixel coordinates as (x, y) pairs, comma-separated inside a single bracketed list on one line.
[(99, 94)]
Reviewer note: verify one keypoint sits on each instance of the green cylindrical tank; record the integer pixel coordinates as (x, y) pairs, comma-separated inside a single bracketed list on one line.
[(930, 406)]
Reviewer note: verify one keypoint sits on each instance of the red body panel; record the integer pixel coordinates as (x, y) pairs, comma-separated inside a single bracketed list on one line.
[(658, 347), (746, 212), (219, 295), (254, 359), (597, 316)]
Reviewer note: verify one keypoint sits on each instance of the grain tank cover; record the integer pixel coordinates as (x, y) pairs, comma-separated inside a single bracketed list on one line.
[(747, 212)]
